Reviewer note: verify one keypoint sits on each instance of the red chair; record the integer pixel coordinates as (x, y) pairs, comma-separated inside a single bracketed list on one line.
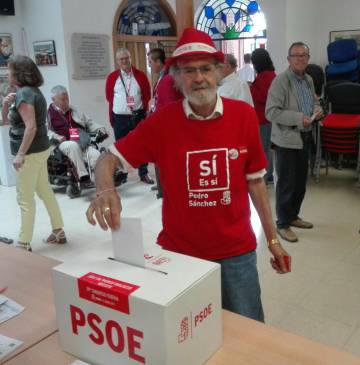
[(339, 133)]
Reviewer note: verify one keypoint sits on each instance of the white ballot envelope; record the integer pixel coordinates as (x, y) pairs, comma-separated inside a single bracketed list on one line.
[(128, 242)]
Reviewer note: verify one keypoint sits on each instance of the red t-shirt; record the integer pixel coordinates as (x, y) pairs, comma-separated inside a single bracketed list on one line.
[(166, 92), (203, 165)]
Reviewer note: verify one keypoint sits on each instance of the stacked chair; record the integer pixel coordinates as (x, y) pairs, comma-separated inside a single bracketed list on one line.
[(317, 74), (343, 61), (339, 131)]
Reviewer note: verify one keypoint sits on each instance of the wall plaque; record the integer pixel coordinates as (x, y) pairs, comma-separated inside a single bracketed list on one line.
[(91, 59)]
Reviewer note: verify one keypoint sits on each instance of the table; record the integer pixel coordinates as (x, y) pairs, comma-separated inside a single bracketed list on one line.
[(246, 342), (28, 278)]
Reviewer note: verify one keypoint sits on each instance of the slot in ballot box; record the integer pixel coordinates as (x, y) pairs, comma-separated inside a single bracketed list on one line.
[(165, 313)]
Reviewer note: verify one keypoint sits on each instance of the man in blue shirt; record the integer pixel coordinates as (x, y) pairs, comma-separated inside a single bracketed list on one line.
[(292, 108)]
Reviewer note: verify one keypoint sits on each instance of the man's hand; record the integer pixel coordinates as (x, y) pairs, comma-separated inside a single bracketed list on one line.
[(61, 139), (107, 209), (318, 113), (307, 121), (278, 260), (9, 99)]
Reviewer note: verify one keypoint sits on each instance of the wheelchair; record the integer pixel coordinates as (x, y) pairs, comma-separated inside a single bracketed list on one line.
[(62, 171)]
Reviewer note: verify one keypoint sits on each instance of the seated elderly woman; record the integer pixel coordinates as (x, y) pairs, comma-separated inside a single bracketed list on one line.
[(70, 128)]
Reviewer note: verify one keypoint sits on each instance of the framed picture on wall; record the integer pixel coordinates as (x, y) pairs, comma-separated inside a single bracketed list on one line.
[(346, 34), (6, 49), (45, 54)]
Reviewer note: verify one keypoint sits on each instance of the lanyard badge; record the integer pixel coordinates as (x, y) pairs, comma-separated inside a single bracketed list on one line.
[(130, 101), (74, 134)]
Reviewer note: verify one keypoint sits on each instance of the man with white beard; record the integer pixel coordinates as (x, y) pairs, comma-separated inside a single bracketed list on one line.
[(210, 156)]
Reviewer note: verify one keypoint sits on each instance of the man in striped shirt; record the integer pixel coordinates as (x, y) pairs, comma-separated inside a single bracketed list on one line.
[(292, 108)]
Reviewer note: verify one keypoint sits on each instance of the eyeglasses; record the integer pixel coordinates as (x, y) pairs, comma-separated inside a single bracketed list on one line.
[(192, 71), (299, 56)]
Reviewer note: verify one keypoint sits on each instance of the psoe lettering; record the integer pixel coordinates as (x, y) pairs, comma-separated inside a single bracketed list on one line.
[(111, 332), (203, 314)]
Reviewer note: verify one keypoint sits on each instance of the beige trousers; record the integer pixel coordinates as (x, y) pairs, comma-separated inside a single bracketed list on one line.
[(31, 178), (72, 150)]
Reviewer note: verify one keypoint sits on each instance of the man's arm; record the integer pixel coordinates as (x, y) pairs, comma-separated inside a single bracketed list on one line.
[(259, 197), (276, 111), (8, 100), (107, 205), (84, 120), (245, 94)]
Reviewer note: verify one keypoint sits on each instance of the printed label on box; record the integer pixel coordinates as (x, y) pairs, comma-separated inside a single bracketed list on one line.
[(106, 291)]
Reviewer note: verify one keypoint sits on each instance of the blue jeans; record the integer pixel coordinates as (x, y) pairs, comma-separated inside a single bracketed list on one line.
[(240, 287)]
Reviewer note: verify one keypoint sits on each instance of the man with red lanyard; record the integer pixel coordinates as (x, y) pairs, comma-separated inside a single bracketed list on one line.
[(70, 128), (210, 160), (128, 93)]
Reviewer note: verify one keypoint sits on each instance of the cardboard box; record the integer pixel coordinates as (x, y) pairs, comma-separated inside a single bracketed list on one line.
[(167, 313)]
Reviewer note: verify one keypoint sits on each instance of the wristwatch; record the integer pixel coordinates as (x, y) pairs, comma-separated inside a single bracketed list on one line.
[(274, 241)]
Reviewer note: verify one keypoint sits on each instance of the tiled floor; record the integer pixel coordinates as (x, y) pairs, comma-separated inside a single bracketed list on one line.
[(320, 299)]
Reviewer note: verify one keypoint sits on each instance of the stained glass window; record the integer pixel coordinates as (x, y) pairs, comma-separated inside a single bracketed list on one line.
[(144, 17), (232, 19)]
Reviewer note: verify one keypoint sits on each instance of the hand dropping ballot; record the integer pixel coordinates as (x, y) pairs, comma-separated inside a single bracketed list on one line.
[(157, 308)]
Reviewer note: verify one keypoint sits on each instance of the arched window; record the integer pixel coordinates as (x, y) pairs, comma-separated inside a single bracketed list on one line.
[(236, 26), (140, 25), (232, 19), (145, 17)]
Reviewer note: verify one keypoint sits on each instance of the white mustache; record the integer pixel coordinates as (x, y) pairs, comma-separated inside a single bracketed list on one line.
[(204, 85)]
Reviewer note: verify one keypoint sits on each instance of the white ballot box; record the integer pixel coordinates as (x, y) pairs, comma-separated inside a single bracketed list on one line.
[(166, 313), (7, 172)]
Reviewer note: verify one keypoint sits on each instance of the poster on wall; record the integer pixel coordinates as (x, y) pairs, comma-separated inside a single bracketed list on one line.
[(6, 49), (91, 57), (346, 34), (45, 54)]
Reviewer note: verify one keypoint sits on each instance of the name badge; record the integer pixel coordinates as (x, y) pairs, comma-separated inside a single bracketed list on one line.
[(74, 134), (130, 101)]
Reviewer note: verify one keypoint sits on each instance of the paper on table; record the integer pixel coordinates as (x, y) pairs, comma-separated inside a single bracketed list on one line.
[(128, 242), (8, 308), (8, 345), (78, 362)]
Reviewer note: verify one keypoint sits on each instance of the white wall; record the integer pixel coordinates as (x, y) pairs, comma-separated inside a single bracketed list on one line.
[(335, 15), (42, 20), (83, 16), (275, 15)]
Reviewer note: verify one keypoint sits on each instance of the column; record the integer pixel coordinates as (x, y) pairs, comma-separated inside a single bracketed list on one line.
[(184, 15)]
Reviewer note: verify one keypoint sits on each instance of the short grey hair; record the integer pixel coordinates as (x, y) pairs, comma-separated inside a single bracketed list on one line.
[(122, 50), (57, 90), (231, 60)]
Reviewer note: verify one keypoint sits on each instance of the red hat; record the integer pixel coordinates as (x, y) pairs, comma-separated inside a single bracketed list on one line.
[(194, 42)]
